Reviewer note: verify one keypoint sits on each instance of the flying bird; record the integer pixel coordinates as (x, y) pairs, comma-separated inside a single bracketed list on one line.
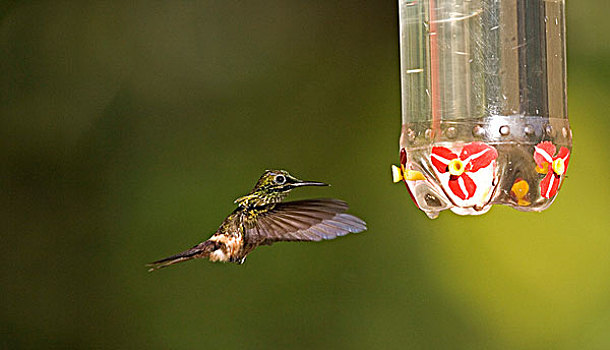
[(261, 218)]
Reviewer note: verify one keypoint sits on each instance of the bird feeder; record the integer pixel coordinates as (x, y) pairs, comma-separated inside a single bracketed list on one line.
[(484, 112)]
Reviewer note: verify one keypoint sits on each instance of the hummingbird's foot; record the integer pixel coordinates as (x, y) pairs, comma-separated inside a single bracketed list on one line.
[(237, 260)]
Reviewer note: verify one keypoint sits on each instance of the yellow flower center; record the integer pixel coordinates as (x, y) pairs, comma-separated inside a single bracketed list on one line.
[(559, 167), (456, 167), (544, 169), (520, 189)]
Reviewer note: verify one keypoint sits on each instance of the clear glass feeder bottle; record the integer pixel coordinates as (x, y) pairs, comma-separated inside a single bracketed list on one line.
[(484, 112)]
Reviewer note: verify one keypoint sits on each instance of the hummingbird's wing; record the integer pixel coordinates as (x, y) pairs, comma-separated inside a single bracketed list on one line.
[(306, 220)]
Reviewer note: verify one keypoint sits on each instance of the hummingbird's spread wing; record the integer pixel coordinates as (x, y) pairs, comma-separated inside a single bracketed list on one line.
[(306, 220)]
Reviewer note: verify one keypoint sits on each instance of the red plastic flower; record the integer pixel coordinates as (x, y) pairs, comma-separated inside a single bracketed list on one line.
[(553, 166), (474, 156)]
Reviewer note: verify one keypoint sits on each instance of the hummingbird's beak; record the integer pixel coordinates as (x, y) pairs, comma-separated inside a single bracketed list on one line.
[(300, 183)]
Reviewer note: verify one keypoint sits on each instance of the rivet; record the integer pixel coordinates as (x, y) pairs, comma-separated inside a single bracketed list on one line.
[(451, 132), (478, 131), (504, 130), (528, 130), (410, 135)]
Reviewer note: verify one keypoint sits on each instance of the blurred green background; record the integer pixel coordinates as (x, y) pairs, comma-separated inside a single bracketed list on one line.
[(128, 128)]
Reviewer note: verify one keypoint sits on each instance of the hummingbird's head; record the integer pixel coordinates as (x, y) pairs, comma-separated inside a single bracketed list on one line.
[(278, 181), (272, 187)]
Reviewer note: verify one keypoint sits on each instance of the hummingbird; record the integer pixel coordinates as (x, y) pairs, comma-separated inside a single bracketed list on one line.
[(262, 219)]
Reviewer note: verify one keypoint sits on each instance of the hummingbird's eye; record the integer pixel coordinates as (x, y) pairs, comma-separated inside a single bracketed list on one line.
[(280, 179)]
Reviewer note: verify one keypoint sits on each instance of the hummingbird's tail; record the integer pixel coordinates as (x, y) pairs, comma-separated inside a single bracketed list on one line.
[(201, 250)]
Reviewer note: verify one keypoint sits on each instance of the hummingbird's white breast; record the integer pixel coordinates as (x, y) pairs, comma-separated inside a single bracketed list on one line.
[(230, 247)]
